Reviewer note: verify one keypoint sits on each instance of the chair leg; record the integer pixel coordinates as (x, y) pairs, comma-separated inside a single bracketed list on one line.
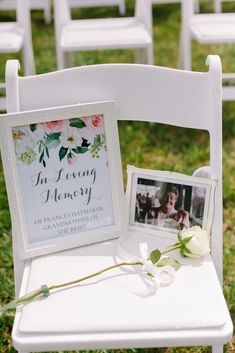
[(218, 349), (47, 13), (29, 64), (197, 6), (217, 6), (150, 55), (69, 59), (185, 55), (122, 8), (61, 59), (140, 56)]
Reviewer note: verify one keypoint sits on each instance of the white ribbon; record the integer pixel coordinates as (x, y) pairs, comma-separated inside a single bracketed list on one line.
[(154, 276)]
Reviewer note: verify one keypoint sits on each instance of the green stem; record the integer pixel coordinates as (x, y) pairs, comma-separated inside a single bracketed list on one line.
[(177, 246), (38, 293), (56, 286)]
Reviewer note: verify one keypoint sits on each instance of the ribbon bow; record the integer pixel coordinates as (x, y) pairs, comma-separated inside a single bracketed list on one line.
[(154, 275)]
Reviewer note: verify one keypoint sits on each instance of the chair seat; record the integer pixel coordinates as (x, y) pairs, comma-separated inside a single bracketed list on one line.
[(213, 28), (93, 34), (11, 37), (108, 309)]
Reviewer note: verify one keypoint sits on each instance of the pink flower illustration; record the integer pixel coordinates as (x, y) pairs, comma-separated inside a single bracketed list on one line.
[(55, 126), (94, 126), (71, 160), (97, 121)]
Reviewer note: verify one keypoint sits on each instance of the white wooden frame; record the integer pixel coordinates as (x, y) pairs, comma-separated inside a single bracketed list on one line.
[(15, 188), (173, 178)]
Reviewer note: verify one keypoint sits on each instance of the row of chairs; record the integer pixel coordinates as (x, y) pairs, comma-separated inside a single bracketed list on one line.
[(45, 5), (115, 33)]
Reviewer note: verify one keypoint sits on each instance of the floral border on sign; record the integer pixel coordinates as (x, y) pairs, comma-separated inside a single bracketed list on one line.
[(71, 137)]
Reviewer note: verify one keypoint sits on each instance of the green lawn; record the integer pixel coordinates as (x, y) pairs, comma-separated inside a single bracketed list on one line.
[(143, 145)]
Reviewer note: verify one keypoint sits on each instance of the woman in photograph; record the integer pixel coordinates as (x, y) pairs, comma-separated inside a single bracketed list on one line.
[(166, 215)]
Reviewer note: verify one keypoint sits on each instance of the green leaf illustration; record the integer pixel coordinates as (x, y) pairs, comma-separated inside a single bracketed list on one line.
[(80, 149), (155, 256), (47, 151), (62, 152), (41, 157), (97, 141), (69, 155), (169, 261), (77, 122), (33, 127), (52, 140)]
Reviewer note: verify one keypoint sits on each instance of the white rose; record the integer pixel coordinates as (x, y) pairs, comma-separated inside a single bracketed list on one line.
[(196, 241)]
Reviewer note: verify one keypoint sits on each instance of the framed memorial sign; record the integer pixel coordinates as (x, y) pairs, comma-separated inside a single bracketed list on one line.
[(162, 202), (63, 174)]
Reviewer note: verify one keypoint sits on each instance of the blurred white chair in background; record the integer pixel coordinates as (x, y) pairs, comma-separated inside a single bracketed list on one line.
[(44, 5), (95, 3), (108, 33), (211, 28), (15, 37)]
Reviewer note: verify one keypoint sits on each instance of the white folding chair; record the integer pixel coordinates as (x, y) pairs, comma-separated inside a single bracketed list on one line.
[(213, 28), (44, 5), (191, 311), (16, 36), (94, 3), (96, 34)]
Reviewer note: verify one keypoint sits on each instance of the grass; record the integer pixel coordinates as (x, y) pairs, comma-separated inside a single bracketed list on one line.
[(143, 145)]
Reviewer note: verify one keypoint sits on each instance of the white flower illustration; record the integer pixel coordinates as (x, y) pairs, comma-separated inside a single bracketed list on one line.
[(70, 138)]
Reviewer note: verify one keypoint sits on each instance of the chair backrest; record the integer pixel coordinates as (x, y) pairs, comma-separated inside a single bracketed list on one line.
[(141, 92)]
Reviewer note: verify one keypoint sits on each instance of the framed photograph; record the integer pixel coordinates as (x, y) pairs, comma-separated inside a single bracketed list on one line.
[(165, 202), (63, 175)]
